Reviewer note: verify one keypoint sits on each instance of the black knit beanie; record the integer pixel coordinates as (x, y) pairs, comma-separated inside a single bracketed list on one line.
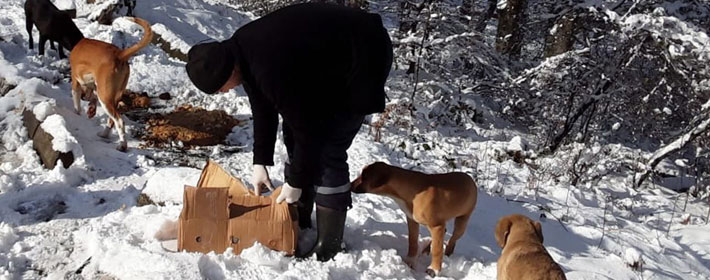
[(209, 66)]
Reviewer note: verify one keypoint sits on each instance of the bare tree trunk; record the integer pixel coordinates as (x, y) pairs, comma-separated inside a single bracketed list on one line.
[(511, 17), (698, 126), (561, 37)]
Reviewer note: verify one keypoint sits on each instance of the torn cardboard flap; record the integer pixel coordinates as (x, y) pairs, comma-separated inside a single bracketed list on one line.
[(214, 176), (222, 213)]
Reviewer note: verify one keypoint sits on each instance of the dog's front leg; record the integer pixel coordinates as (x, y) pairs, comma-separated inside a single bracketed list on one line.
[(413, 252), (437, 249)]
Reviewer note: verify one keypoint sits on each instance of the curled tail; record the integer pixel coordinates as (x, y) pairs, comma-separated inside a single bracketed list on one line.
[(147, 36)]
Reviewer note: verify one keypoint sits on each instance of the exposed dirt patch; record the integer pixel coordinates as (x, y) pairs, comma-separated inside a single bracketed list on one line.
[(133, 101), (144, 200), (193, 126)]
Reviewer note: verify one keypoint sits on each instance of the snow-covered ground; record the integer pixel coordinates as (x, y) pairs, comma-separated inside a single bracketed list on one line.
[(83, 222)]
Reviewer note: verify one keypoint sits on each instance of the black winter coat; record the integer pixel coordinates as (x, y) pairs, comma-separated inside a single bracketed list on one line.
[(308, 62)]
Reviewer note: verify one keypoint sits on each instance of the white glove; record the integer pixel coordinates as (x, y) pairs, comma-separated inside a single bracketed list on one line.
[(260, 177), (288, 193)]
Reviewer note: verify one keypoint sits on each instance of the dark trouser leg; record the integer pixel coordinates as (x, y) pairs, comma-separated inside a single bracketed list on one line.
[(305, 205), (333, 186), (333, 182)]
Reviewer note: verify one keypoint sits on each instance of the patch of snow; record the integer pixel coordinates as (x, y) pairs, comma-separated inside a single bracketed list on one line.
[(7, 237), (62, 140), (167, 184), (65, 4), (616, 126), (517, 144), (44, 109), (632, 256)]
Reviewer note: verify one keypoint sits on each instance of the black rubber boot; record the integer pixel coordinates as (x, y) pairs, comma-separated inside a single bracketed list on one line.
[(305, 208), (330, 224)]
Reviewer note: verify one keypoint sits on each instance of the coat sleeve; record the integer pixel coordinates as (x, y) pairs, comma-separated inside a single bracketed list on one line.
[(266, 122)]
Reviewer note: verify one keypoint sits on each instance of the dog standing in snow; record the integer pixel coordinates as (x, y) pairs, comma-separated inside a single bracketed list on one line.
[(524, 256), (100, 66), (53, 25), (427, 199)]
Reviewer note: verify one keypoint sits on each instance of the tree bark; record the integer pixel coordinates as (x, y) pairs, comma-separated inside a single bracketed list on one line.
[(511, 17), (561, 37)]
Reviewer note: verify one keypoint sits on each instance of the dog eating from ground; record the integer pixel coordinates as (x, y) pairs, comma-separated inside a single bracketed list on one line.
[(102, 67), (53, 25), (427, 199), (524, 256)]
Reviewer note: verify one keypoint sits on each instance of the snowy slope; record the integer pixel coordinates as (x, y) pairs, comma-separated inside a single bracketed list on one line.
[(83, 222)]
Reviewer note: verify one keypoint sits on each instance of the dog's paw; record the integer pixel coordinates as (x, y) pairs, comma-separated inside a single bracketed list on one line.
[(411, 261), (104, 133), (122, 147), (449, 249), (432, 272), (91, 112)]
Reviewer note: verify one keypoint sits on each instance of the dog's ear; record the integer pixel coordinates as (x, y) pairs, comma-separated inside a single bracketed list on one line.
[(503, 230), (538, 230)]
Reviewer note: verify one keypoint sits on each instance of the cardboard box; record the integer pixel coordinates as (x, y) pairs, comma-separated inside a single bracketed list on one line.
[(221, 212)]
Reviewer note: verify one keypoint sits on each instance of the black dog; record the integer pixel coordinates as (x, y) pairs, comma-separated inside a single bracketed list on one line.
[(53, 24)]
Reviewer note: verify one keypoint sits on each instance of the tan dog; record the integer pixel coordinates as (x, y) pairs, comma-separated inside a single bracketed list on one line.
[(524, 256), (104, 67), (427, 199)]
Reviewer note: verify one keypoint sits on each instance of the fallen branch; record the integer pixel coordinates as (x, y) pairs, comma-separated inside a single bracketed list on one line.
[(697, 126)]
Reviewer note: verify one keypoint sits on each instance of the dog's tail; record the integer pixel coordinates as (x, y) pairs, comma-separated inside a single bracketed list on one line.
[(147, 36)]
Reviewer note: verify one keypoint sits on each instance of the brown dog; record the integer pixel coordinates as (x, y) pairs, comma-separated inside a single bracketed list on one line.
[(100, 66), (524, 256), (427, 199)]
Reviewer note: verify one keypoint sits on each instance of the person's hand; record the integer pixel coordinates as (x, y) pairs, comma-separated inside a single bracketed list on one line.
[(288, 193), (260, 177)]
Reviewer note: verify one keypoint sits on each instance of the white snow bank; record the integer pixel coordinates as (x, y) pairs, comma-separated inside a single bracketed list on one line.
[(8, 71), (63, 140), (65, 4), (27, 94), (174, 40), (7, 237), (167, 184), (516, 144), (632, 256), (44, 109), (191, 21), (98, 8)]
